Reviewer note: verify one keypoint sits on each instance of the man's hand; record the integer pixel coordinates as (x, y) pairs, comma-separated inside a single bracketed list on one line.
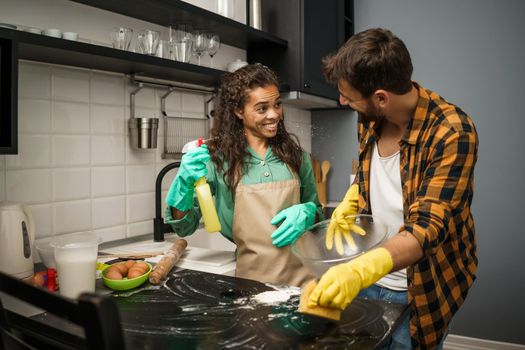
[(341, 283), (343, 221), (297, 219)]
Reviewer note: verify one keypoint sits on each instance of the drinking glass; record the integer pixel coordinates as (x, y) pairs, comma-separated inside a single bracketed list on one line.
[(183, 50), (200, 44), (121, 38), (148, 41), (214, 43)]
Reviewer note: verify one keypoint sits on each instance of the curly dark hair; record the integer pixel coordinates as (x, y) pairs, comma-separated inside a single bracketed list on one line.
[(228, 146), (371, 60)]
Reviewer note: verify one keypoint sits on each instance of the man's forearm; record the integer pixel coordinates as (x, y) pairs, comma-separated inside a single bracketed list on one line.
[(405, 250)]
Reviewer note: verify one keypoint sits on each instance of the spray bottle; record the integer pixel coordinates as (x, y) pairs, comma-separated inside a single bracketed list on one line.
[(204, 197)]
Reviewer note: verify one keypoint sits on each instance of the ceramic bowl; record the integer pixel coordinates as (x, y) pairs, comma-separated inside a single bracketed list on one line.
[(125, 283), (312, 251)]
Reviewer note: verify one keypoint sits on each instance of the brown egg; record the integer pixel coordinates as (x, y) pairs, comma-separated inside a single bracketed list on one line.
[(130, 263), (133, 273), (142, 265), (122, 268), (113, 274)]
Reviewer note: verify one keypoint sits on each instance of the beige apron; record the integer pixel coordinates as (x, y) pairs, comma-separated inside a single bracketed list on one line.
[(257, 257)]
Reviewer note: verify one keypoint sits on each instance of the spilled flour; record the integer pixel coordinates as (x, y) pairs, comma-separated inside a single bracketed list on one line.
[(274, 296)]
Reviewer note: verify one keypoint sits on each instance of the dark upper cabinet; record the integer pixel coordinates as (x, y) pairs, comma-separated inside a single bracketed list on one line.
[(8, 96), (313, 30)]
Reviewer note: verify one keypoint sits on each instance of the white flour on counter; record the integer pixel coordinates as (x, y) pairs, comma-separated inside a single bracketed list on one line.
[(275, 297)]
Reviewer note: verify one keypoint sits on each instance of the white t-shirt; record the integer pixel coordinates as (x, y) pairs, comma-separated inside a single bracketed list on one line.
[(386, 200)]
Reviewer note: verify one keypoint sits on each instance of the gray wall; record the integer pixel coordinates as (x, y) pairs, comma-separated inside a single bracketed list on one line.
[(472, 52)]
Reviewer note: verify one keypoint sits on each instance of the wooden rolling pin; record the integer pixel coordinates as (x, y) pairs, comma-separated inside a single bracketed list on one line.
[(166, 263)]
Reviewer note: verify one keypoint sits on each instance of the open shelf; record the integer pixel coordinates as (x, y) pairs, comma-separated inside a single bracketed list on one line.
[(169, 12), (78, 54)]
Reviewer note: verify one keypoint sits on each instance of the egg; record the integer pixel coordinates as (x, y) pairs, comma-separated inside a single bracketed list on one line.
[(133, 273), (113, 274), (142, 265), (122, 268), (130, 263)]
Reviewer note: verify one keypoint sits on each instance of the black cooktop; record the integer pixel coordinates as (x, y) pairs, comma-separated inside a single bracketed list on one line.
[(198, 310)]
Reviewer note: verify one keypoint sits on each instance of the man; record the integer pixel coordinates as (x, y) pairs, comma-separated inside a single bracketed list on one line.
[(416, 163)]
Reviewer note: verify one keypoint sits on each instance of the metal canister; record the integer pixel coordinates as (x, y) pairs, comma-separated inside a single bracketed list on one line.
[(143, 132)]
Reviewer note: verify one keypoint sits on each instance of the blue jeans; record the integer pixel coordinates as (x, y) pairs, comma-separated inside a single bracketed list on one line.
[(400, 340)]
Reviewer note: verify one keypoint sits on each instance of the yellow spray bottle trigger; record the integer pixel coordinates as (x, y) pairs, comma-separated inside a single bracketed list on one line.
[(204, 197)]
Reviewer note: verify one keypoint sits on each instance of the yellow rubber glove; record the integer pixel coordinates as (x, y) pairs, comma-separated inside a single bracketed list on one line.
[(341, 283), (342, 224)]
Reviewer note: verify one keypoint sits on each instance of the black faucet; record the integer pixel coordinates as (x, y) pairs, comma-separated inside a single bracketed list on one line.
[(159, 227)]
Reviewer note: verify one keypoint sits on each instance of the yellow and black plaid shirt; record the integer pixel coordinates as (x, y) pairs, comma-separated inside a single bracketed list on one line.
[(437, 154)]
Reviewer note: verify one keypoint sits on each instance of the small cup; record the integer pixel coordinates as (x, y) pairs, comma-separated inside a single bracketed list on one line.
[(34, 30), (70, 36), (55, 33)]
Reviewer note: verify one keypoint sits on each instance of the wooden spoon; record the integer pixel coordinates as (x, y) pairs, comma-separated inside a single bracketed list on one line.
[(325, 168)]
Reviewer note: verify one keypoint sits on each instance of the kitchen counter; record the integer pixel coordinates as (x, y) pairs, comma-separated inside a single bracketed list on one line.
[(199, 310), (207, 254)]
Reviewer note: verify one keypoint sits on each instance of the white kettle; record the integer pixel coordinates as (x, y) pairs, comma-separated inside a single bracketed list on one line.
[(17, 234)]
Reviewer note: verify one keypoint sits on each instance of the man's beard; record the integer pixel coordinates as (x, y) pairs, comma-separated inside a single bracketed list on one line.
[(367, 118)]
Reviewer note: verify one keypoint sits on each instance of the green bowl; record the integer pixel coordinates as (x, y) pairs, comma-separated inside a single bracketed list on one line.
[(125, 283)]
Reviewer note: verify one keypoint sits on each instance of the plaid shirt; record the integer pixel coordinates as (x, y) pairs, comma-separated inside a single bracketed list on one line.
[(437, 154)]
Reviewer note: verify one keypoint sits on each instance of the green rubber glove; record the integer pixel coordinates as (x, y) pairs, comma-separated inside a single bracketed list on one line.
[(297, 219), (192, 168), (341, 283)]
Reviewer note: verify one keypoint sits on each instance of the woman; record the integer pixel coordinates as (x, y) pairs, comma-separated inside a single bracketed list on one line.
[(259, 176)]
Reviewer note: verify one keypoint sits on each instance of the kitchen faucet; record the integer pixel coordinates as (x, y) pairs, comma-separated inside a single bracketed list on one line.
[(159, 227)]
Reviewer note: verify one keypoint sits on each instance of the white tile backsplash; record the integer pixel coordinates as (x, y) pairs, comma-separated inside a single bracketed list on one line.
[(75, 166), (140, 156), (107, 89), (34, 151), (193, 103), (43, 217), (72, 216), (108, 181), (140, 228), (71, 84), (71, 183), (111, 233), (70, 150), (140, 178), (28, 186), (108, 119), (70, 118), (145, 98), (34, 116), (108, 150), (140, 207), (173, 102), (34, 80), (110, 211)]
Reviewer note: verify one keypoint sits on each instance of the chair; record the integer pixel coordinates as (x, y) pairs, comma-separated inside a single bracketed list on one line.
[(91, 322)]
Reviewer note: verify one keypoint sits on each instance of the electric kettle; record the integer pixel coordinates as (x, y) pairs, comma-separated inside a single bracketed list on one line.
[(17, 234)]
